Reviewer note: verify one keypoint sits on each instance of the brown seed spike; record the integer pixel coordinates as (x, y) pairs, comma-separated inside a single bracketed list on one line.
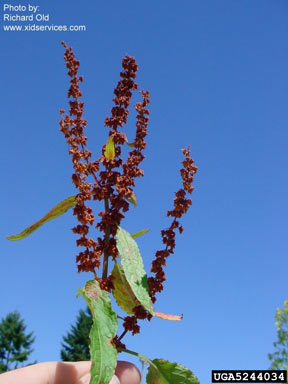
[(181, 206)]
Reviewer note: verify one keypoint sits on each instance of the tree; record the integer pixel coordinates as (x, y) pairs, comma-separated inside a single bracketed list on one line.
[(76, 343), (15, 344), (279, 359)]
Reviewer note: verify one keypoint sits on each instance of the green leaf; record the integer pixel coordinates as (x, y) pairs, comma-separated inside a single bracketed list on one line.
[(103, 353), (125, 297), (140, 233), (110, 149), (122, 291), (132, 199), (58, 210), (133, 268), (163, 372)]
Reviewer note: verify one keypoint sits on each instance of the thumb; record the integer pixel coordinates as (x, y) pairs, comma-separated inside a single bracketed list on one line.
[(127, 373), (86, 379)]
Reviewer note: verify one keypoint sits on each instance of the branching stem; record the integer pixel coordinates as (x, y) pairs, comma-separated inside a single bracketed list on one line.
[(123, 334), (107, 236)]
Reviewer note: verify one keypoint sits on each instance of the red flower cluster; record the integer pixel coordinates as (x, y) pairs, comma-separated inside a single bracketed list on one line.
[(116, 186), (181, 206), (130, 167), (73, 126), (115, 182)]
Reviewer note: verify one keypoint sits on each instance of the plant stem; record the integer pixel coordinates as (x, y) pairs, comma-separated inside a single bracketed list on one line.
[(92, 173), (143, 371), (107, 236), (123, 334), (141, 357)]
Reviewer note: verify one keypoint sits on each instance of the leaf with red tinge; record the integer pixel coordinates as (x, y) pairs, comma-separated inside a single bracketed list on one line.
[(109, 152), (165, 316), (57, 211), (163, 372), (103, 352)]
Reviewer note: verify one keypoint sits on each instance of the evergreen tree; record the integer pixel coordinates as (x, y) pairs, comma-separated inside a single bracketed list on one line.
[(279, 359), (15, 344), (76, 343)]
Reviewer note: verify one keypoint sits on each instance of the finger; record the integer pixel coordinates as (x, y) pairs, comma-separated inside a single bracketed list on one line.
[(69, 373), (63, 372), (128, 373), (47, 373), (125, 373), (86, 379)]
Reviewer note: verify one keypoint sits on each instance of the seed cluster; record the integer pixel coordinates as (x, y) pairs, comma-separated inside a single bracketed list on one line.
[(73, 126), (112, 180), (181, 206)]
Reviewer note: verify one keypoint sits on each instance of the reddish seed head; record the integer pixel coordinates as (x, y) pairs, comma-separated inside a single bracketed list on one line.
[(114, 180), (181, 206)]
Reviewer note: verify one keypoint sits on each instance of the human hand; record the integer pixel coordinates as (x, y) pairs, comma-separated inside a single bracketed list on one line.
[(67, 373)]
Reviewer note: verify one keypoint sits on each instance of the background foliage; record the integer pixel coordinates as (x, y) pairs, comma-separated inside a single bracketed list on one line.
[(279, 358), (15, 342), (75, 345)]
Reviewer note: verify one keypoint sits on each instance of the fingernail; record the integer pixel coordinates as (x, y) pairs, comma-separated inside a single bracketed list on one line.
[(115, 380), (85, 379)]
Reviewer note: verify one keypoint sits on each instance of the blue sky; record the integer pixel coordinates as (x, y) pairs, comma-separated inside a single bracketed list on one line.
[(217, 73)]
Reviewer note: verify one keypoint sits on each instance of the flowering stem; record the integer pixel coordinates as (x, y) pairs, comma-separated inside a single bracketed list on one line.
[(123, 334), (93, 174), (107, 236)]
